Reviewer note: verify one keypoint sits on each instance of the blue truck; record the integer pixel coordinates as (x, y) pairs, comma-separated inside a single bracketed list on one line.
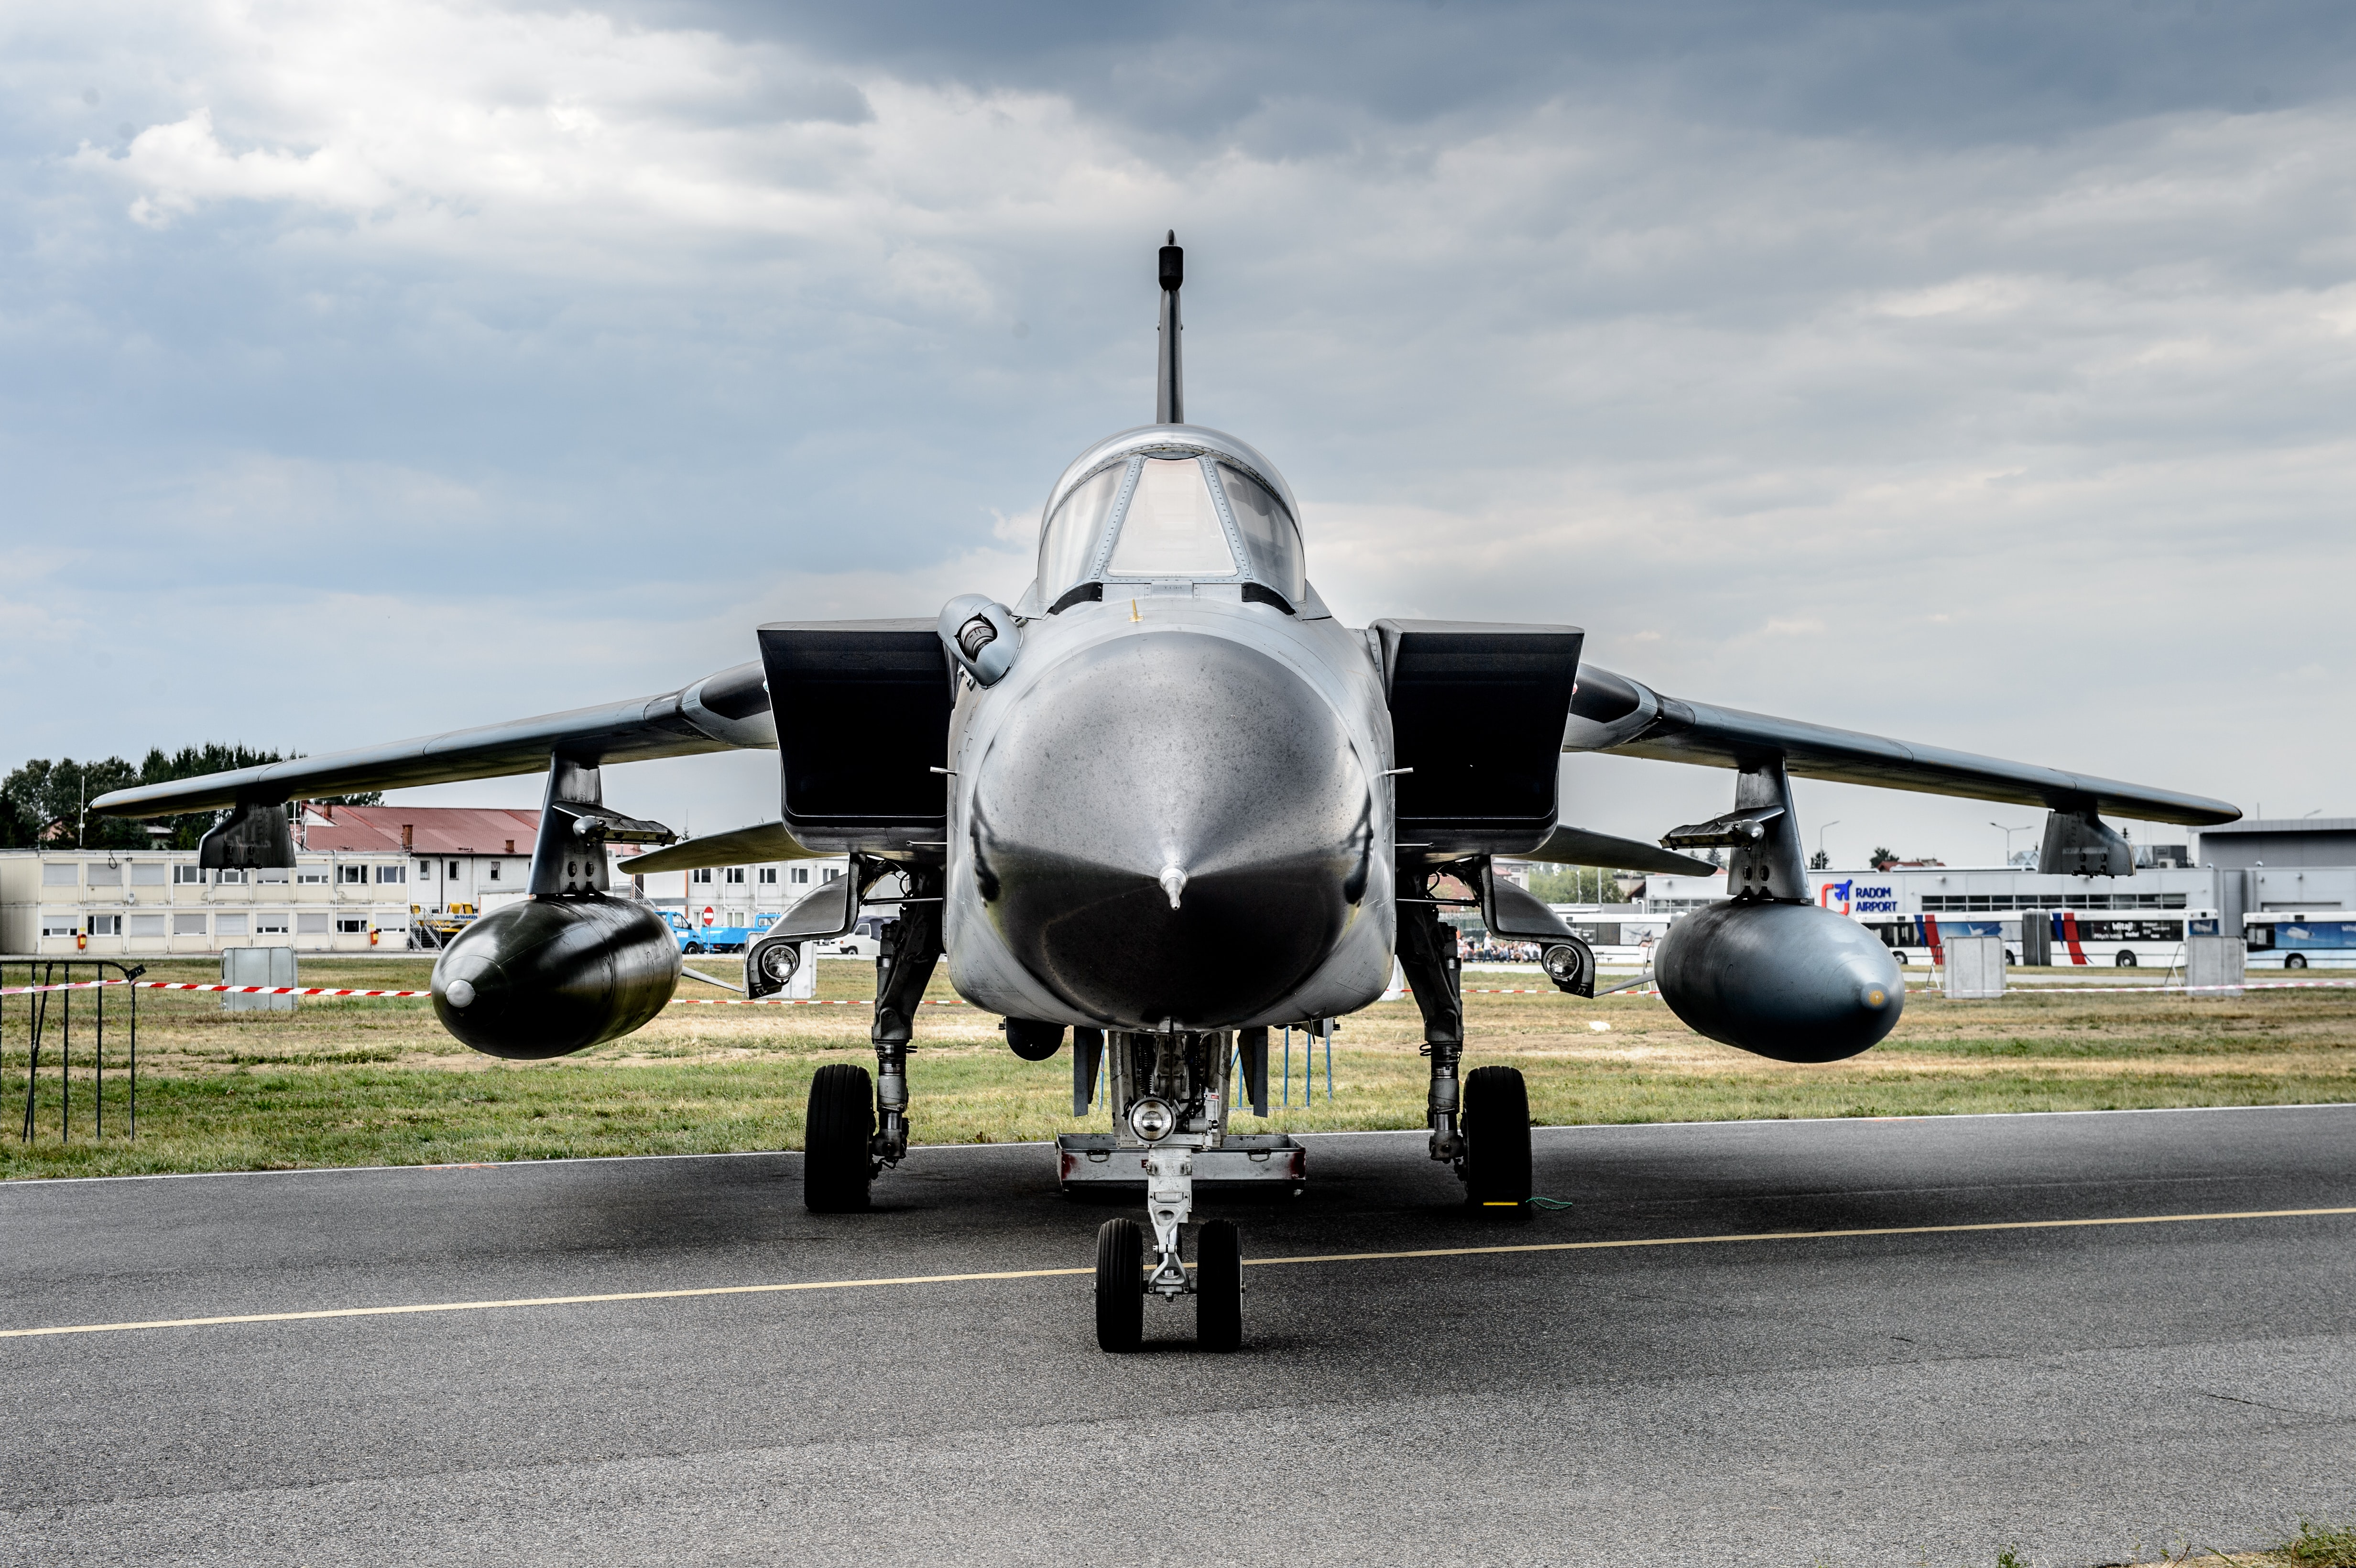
[(693, 938)]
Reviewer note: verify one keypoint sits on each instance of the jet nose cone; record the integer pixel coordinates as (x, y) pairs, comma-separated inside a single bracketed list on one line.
[(1172, 825)]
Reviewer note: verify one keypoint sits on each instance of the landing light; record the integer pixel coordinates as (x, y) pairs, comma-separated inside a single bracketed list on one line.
[(1151, 1120)]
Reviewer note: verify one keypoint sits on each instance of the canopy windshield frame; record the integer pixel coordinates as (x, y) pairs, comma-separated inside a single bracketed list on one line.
[(1245, 565)]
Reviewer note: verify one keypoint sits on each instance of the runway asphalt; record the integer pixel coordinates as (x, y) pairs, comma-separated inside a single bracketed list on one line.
[(1929, 1398)]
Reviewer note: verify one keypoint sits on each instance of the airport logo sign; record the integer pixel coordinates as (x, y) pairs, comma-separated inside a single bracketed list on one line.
[(1854, 897)]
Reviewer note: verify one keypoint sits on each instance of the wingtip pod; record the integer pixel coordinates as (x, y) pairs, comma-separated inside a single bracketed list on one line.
[(1789, 982)]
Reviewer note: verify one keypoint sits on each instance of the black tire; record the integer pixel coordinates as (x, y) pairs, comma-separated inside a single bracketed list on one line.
[(1120, 1286), (1218, 1286), (692, 949), (2125, 960), (835, 1165), (2295, 961), (1497, 1142)]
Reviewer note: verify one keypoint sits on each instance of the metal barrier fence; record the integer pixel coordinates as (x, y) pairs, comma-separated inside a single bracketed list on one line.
[(43, 986)]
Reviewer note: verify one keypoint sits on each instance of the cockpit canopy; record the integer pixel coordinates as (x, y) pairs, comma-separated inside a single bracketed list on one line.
[(1170, 502)]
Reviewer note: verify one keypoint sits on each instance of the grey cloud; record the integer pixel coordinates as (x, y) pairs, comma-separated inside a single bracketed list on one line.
[(1938, 74), (1972, 373)]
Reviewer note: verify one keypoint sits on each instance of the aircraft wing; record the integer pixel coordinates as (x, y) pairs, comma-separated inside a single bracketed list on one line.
[(740, 846), (1578, 846), (720, 712), (1612, 713)]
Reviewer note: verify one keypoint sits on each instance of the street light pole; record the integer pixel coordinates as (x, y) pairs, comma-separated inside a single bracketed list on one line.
[(1820, 837), (2008, 833)]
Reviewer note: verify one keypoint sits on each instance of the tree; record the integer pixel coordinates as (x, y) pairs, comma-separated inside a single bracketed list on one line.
[(1881, 857), (46, 802), (1820, 861), (1573, 885)]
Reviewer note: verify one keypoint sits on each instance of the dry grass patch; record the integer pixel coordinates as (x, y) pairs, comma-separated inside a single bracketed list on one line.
[(360, 1081)]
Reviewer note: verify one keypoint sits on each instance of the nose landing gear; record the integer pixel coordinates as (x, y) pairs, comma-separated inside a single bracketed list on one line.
[(1169, 1090), (1216, 1283)]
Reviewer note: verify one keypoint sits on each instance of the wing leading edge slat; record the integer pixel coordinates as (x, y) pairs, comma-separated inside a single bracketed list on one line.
[(1625, 718), (675, 724)]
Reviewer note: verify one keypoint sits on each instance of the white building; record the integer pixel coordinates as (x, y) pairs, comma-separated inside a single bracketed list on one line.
[(463, 859), (1965, 889), (467, 860), (147, 904), (722, 897)]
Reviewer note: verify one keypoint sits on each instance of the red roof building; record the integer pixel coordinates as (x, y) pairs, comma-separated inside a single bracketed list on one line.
[(420, 829), (477, 856)]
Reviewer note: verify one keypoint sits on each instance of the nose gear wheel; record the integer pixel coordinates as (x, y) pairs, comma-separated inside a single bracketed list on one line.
[(1120, 1286)]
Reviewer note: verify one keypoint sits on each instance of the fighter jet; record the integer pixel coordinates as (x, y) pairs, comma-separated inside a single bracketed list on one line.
[(1164, 803)]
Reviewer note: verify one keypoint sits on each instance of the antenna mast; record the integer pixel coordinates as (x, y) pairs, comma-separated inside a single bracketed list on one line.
[(1169, 390)]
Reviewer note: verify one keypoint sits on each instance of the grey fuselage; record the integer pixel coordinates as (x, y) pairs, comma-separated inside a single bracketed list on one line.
[(1173, 811)]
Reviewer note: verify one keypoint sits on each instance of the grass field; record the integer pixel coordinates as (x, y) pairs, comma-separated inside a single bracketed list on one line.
[(369, 1082)]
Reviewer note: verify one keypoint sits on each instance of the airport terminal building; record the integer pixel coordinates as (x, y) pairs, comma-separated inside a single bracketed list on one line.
[(2241, 869)]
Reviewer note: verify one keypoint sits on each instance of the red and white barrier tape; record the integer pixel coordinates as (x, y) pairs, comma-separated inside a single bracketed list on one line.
[(800, 1002), (270, 990), (2027, 990), (2036, 990), (189, 985), (74, 986)]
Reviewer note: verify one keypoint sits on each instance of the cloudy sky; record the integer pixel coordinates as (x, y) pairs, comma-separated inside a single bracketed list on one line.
[(1976, 373)]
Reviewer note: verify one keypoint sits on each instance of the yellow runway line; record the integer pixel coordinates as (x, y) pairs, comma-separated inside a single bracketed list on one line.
[(1802, 1235), (1248, 1262)]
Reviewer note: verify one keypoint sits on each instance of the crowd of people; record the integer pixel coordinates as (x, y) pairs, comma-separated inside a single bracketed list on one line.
[(1488, 950)]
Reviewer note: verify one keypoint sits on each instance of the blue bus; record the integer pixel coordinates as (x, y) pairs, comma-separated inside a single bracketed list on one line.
[(2280, 940)]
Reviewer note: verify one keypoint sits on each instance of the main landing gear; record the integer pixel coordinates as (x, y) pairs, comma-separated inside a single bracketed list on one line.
[(1481, 1124), (856, 1130)]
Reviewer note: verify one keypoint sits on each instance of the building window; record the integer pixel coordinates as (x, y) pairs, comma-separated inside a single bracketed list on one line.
[(312, 876), (227, 925), (147, 873), (148, 925), (833, 875), (104, 876), (231, 876), (425, 868), (310, 924), (736, 875), (352, 925), (106, 925), (183, 876), (188, 924), (352, 873), (495, 871), (392, 873), (60, 874), (702, 876), (64, 923), (271, 874), (453, 869), (768, 876), (272, 924)]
